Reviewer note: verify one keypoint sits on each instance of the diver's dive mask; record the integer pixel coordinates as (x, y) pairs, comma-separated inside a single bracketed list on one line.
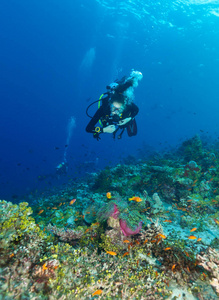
[(116, 110)]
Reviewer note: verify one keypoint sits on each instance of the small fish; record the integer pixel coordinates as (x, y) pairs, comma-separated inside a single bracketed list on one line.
[(173, 267), (126, 241), (195, 181), (192, 237), (168, 248), (190, 200), (186, 253), (204, 274), (11, 255), (188, 269), (45, 267), (167, 283), (126, 253), (96, 224), (54, 207), (72, 201), (137, 242), (87, 230), (168, 221), (216, 221), (199, 239), (162, 235), (145, 241), (41, 211), (108, 195), (193, 229), (156, 273), (98, 292), (158, 241), (137, 199), (56, 267), (111, 252)]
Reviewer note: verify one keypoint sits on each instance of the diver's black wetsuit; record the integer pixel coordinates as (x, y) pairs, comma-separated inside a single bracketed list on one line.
[(104, 115)]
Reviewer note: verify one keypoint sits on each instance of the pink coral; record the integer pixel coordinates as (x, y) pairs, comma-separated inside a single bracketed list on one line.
[(115, 213), (128, 231), (123, 225)]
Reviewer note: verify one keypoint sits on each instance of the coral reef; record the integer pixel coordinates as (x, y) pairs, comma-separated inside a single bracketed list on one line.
[(66, 235), (210, 262), (142, 230)]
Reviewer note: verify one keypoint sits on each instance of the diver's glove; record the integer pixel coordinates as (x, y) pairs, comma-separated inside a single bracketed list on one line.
[(124, 121), (96, 136)]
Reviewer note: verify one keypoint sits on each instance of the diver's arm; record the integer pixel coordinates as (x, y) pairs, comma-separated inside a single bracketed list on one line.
[(91, 125), (97, 129), (134, 110), (129, 115)]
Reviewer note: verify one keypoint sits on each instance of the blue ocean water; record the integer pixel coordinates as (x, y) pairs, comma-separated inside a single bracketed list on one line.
[(56, 57)]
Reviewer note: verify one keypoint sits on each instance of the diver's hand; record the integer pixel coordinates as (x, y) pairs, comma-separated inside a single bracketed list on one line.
[(96, 136), (123, 122), (109, 129)]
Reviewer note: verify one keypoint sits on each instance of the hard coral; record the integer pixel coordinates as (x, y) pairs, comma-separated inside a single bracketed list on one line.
[(210, 262), (22, 243), (66, 235)]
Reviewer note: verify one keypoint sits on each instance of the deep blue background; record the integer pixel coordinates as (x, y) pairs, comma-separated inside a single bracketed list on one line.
[(43, 80)]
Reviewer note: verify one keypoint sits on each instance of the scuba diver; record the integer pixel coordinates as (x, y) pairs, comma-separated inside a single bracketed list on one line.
[(62, 168), (117, 111)]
